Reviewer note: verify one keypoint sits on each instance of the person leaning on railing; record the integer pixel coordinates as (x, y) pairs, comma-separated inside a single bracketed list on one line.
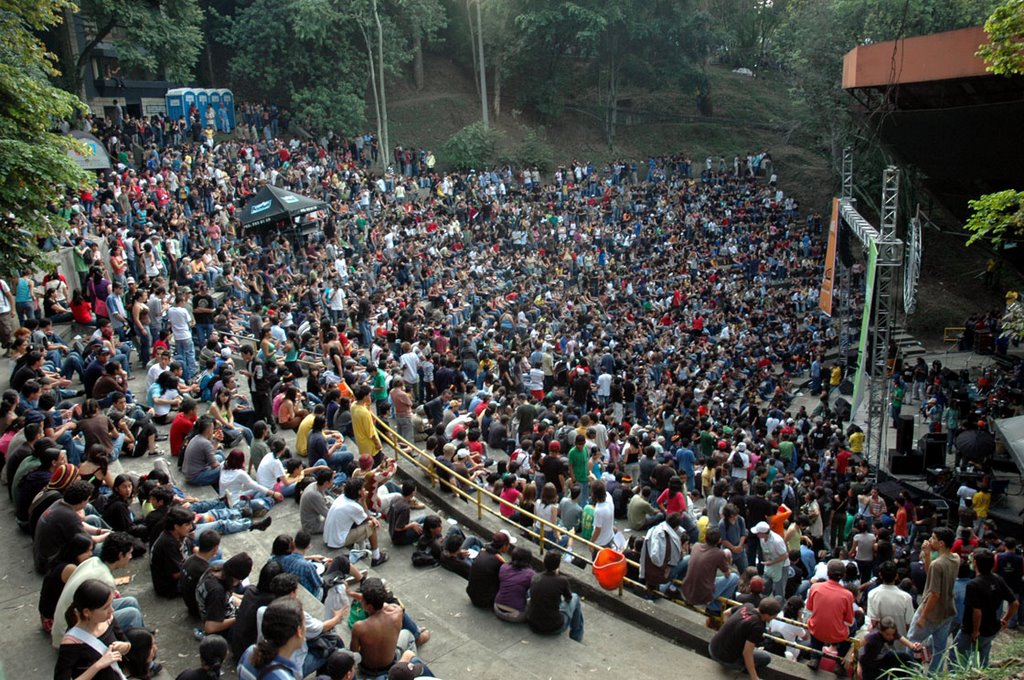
[(735, 644)]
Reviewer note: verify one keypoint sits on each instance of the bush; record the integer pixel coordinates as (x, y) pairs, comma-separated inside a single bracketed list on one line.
[(533, 152), (474, 146)]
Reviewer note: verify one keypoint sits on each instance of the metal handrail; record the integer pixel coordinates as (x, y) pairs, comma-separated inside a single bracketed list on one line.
[(392, 438)]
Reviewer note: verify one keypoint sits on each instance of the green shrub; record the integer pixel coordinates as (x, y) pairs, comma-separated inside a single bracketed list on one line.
[(474, 146), (532, 152)]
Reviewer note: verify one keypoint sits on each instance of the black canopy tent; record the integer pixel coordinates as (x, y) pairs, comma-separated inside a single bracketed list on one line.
[(287, 210)]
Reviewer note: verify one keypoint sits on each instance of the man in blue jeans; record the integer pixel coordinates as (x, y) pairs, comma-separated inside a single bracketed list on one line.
[(937, 609), (983, 602), (201, 462), (553, 607), (703, 584)]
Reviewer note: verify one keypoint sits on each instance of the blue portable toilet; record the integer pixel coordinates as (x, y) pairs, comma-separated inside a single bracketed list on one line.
[(227, 101), (188, 96), (215, 104), (202, 102), (175, 100)]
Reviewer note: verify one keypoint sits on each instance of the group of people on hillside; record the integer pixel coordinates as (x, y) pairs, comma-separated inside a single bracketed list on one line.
[(599, 348)]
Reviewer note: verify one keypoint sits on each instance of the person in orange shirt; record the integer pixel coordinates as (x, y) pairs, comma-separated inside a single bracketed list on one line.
[(778, 521)]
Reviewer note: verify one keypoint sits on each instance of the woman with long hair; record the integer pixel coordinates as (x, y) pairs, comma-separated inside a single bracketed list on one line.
[(213, 651), (138, 663), (514, 581), (284, 631), (89, 649), (77, 550), (220, 411)]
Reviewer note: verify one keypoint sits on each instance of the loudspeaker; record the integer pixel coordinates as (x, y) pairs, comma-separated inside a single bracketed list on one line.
[(906, 464), (846, 388), (933, 447), (905, 434), (842, 408)]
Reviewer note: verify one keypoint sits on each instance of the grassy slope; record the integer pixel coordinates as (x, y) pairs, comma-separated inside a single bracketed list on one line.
[(750, 115)]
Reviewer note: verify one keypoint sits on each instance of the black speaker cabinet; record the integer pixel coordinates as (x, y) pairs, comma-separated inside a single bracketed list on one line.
[(933, 447), (907, 464), (905, 434)]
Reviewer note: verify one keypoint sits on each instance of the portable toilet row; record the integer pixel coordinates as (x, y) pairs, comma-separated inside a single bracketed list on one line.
[(181, 100)]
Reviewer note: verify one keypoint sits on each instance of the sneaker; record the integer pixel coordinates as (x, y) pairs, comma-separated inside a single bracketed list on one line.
[(376, 562), (261, 525), (245, 511), (228, 499), (258, 511)]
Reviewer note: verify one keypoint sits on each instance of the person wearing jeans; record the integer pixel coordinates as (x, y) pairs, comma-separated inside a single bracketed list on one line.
[(983, 602), (709, 574), (200, 460), (735, 644), (553, 607), (937, 609), (181, 326)]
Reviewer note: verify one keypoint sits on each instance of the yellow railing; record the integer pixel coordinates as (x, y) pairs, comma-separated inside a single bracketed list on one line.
[(403, 447)]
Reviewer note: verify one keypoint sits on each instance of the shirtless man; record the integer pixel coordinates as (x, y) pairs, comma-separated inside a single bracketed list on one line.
[(380, 637)]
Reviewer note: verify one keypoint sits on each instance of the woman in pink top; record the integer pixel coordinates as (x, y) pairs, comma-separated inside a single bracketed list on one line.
[(673, 499)]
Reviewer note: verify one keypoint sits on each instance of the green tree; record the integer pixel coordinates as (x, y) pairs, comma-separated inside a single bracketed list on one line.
[(1004, 52), (421, 21), (996, 217), (474, 146), (161, 37), (301, 54), (35, 169)]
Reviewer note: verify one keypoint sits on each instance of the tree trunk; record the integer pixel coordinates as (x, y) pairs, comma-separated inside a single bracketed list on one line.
[(483, 66), (376, 96), (417, 60), (380, 65), (209, 64), (472, 45), (498, 60)]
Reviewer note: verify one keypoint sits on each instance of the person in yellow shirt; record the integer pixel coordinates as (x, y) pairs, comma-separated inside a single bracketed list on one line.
[(363, 427), (302, 434), (981, 501), (857, 442)]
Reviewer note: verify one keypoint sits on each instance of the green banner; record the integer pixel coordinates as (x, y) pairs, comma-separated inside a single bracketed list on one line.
[(863, 350)]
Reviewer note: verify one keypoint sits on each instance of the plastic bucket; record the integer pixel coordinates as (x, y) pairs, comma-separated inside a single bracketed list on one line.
[(610, 568)]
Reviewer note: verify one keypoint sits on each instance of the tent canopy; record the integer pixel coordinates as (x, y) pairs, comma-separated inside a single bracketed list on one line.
[(1011, 430), (97, 160), (273, 204)]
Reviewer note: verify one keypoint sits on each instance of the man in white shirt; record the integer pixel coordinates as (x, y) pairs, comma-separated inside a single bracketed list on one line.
[(181, 326), (604, 515), (889, 599), (347, 523), (410, 362)]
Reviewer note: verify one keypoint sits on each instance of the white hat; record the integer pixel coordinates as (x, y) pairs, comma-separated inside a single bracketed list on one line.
[(511, 539), (742, 446), (761, 528), (462, 453)]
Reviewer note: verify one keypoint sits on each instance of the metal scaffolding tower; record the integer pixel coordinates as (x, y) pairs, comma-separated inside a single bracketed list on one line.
[(889, 258)]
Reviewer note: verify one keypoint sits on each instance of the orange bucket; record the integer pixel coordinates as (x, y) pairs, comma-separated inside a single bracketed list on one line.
[(610, 568)]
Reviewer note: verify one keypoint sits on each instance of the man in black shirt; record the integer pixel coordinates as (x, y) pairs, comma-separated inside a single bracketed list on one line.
[(403, 530), (734, 645), (1010, 566), (60, 522), (170, 550), (552, 606), (483, 576), (215, 594), (208, 544), (203, 309), (983, 601)]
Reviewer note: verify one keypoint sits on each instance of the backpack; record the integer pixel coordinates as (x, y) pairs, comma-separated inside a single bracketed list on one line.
[(422, 557)]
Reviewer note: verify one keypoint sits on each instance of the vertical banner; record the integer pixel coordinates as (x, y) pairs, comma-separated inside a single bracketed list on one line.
[(829, 281), (863, 351)]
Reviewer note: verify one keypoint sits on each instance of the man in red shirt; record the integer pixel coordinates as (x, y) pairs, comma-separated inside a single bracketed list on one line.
[(182, 424), (831, 608), (843, 463)]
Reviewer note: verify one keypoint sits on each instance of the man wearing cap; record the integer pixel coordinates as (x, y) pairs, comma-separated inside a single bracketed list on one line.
[(774, 557), (61, 478), (483, 583), (831, 613)]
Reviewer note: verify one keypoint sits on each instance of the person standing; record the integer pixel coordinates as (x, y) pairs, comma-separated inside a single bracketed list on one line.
[(363, 427), (983, 602), (181, 323), (774, 556), (936, 610)]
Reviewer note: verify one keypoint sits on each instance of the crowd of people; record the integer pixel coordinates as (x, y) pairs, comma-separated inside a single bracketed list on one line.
[(618, 347)]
